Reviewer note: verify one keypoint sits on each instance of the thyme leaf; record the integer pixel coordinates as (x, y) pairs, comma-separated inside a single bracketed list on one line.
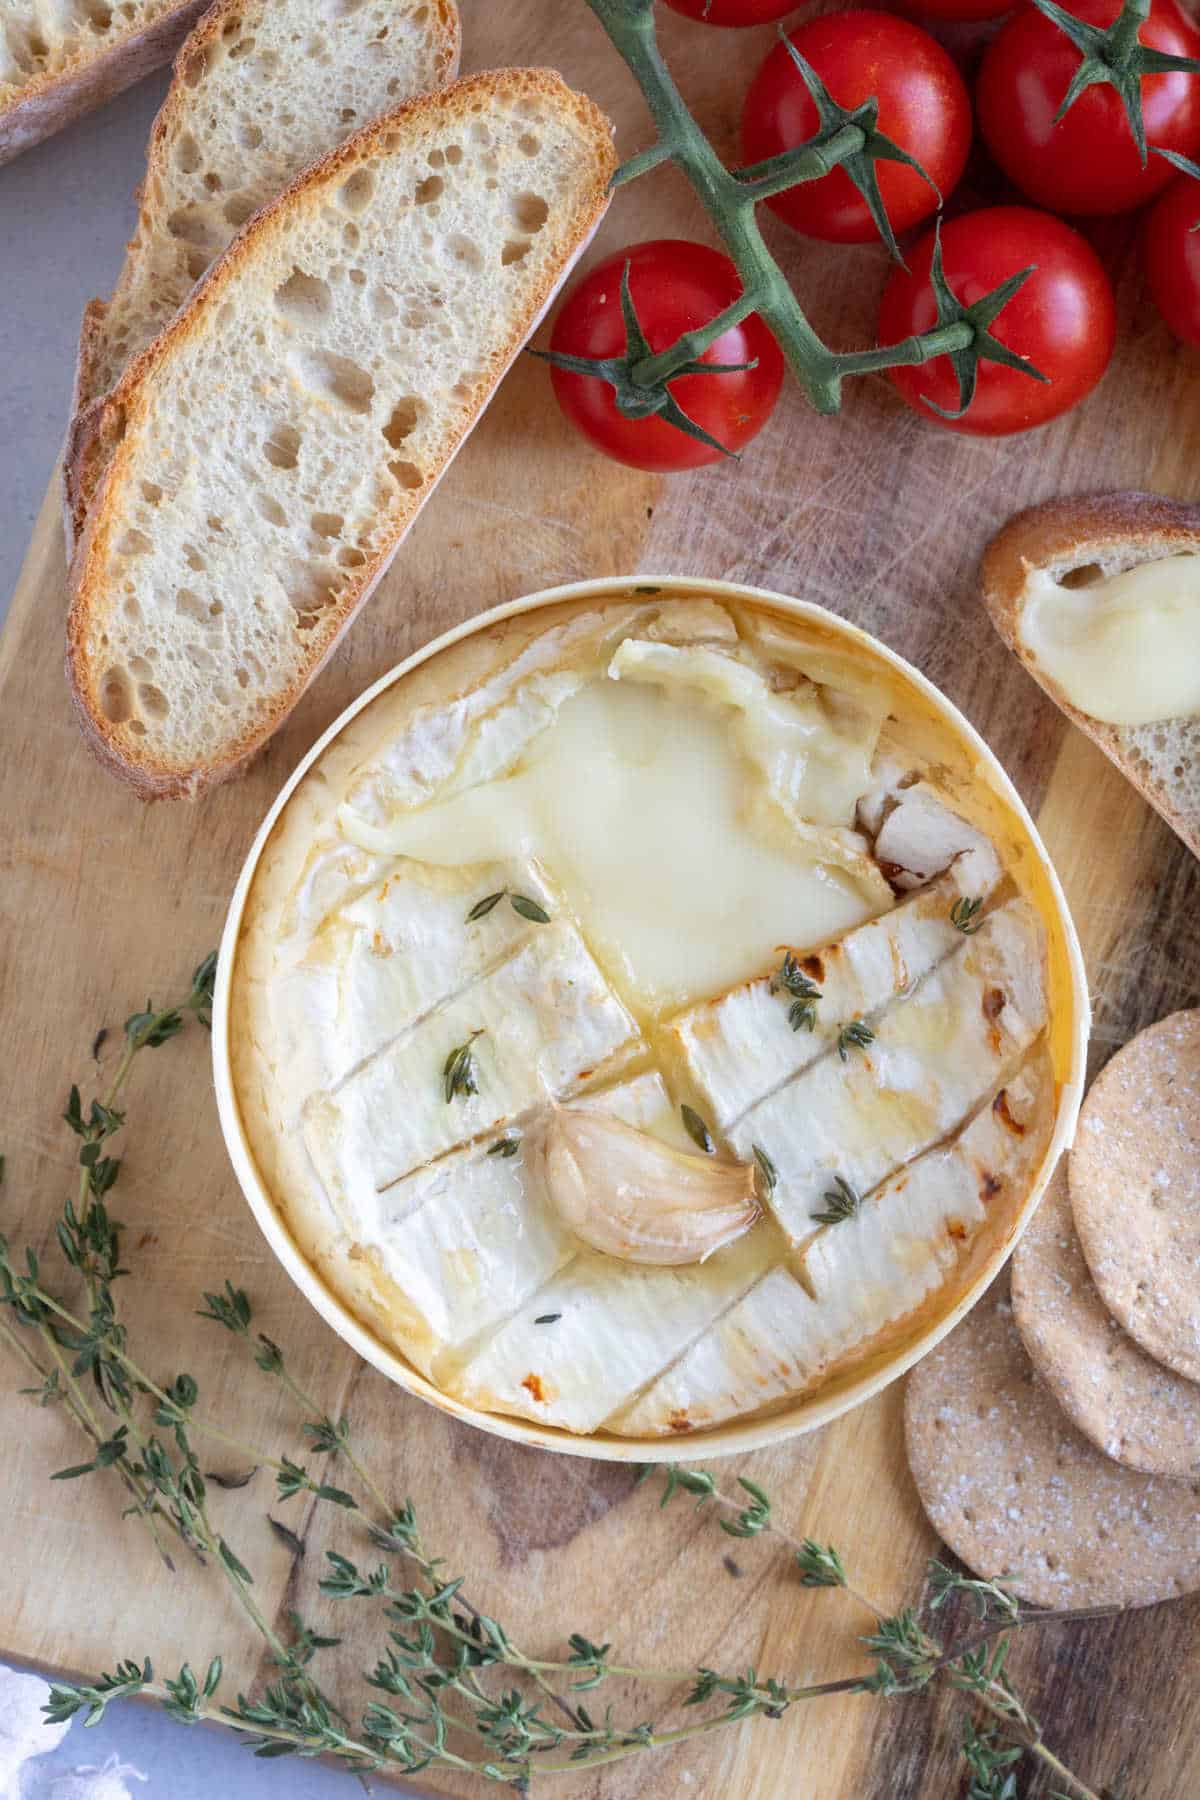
[(520, 903), (460, 1071), (697, 1130), (286, 1536), (964, 914), (790, 979), (767, 1169), (854, 1036), (529, 909)]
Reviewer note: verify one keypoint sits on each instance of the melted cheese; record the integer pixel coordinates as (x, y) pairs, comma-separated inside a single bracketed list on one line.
[(1125, 650), (638, 801)]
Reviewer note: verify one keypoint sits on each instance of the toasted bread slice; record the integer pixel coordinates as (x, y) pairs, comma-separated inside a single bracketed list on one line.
[(1109, 533), (262, 89), (61, 58), (273, 445)]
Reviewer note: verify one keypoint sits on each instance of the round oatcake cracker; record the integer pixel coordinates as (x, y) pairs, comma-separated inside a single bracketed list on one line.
[(1135, 1189), (1129, 1406), (1018, 1493)]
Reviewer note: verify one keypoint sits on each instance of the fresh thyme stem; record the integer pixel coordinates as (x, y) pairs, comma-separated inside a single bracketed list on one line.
[(440, 1644), (80, 1407), (1032, 1741), (72, 1397)]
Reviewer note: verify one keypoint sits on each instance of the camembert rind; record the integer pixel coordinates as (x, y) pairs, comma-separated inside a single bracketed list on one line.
[(858, 1278), (860, 1113), (538, 1026), (356, 745)]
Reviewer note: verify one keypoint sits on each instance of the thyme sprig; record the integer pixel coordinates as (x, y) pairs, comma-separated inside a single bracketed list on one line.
[(460, 1071), (964, 915), (841, 1202), (431, 1698), (803, 992), (853, 1036)]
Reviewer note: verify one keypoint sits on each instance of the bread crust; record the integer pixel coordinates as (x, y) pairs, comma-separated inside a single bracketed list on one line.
[(122, 411), (84, 450), (51, 101), (1069, 532)]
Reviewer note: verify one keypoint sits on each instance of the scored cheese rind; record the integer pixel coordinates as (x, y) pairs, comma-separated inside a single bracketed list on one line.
[(867, 1274), (936, 1053), (614, 1326), (388, 957), (546, 1021), (740, 1047), (477, 736), (458, 1245)]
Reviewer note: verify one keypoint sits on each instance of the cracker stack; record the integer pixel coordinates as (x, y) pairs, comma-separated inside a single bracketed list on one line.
[(1055, 1437)]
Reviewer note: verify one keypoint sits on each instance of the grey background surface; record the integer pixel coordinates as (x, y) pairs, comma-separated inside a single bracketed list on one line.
[(66, 209)]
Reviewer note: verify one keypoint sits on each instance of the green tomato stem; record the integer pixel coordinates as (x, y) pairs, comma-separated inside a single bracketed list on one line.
[(807, 162), (730, 198), (691, 344)]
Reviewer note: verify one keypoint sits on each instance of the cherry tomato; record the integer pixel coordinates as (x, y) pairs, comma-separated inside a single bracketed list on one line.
[(923, 107), (948, 10), (675, 286), (1088, 161), (1063, 319), (734, 12), (1171, 257)]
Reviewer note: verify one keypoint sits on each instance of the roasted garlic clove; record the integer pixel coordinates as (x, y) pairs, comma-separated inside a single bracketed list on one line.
[(631, 1196)]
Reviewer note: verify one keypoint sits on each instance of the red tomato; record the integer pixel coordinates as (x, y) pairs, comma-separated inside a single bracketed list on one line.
[(675, 286), (923, 107), (1063, 319), (1088, 162), (734, 12), (1171, 257), (948, 10)]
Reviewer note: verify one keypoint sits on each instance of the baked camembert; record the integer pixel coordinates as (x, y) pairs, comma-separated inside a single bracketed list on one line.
[(640, 1014)]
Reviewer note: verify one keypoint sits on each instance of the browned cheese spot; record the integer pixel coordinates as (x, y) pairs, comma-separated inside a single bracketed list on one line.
[(1003, 1112)]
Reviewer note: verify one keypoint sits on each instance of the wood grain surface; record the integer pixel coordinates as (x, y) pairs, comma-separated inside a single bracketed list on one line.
[(882, 518)]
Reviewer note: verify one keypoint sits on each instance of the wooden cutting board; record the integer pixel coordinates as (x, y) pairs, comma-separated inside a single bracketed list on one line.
[(881, 518)]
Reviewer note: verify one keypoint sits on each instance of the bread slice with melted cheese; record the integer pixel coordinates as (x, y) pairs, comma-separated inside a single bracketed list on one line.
[(1070, 538), (272, 446)]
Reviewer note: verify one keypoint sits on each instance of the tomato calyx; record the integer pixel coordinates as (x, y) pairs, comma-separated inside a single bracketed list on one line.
[(1114, 55), (982, 345), (847, 138), (644, 398)]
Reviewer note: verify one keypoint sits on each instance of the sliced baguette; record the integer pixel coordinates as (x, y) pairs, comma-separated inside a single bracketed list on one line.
[(274, 444), (1113, 532), (262, 89), (60, 58)]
